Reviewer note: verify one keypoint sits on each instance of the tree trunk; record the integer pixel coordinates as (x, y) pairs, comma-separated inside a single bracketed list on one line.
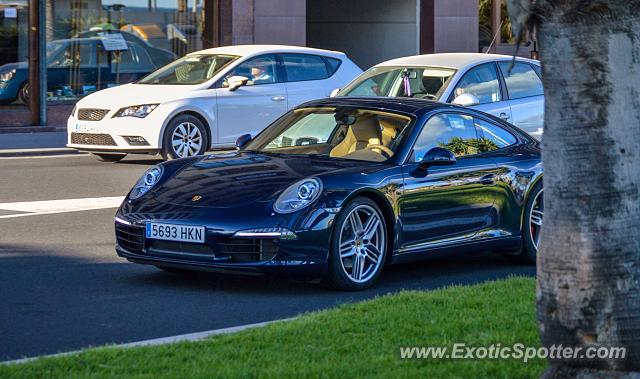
[(589, 261)]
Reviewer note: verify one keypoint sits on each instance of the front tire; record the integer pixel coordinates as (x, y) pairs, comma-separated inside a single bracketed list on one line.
[(358, 246), (23, 93), (532, 225), (109, 157), (185, 136)]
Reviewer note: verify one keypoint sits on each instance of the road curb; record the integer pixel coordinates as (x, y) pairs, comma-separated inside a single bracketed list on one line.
[(190, 337), (37, 152)]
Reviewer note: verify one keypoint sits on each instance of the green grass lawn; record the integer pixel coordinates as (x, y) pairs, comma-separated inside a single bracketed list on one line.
[(355, 340)]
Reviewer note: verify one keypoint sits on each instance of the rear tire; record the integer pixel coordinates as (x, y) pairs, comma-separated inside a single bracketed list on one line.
[(109, 157), (185, 136), (532, 224), (358, 248)]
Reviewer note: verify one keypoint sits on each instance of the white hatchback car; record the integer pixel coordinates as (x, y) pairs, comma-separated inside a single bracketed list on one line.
[(206, 98), (480, 81)]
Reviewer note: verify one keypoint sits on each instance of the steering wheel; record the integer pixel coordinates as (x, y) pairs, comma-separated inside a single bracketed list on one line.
[(423, 95), (388, 152)]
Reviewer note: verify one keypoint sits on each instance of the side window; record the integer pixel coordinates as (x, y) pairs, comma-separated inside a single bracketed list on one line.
[(301, 67), (492, 137), (522, 81), (74, 55), (259, 70), (333, 64), (451, 131), (481, 82)]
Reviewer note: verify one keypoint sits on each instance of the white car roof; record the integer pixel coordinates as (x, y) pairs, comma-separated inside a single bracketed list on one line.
[(248, 50), (451, 60)]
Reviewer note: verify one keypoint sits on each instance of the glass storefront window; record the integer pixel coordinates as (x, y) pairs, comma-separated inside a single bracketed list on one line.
[(97, 44)]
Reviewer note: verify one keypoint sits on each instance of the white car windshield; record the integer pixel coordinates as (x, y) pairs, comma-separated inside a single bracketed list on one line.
[(417, 82), (339, 133), (191, 69)]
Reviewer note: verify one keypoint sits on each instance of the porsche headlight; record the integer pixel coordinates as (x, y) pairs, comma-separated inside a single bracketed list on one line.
[(146, 182), (139, 111), (7, 75), (298, 196)]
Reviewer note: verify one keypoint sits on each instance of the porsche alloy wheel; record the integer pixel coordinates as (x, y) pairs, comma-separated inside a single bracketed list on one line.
[(359, 250)]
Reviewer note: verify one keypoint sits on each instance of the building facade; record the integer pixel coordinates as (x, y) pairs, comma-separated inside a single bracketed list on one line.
[(143, 35)]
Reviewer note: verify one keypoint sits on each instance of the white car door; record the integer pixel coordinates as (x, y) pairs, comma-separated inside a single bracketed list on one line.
[(308, 77), (526, 96), (251, 107), (482, 83)]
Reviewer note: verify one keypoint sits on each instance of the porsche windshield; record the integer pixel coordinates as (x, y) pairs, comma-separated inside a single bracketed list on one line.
[(418, 82), (191, 69), (346, 133)]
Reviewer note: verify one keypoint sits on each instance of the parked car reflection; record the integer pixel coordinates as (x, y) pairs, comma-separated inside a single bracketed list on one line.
[(79, 66)]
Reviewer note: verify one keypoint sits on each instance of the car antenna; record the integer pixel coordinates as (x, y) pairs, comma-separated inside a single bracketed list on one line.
[(494, 37)]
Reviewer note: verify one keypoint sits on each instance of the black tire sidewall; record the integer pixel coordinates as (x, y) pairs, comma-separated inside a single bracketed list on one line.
[(21, 97), (336, 277), (109, 157), (529, 252), (167, 150)]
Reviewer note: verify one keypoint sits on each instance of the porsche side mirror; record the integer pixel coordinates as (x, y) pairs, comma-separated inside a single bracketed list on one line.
[(466, 100), (437, 156), (334, 93), (236, 82), (243, 140)]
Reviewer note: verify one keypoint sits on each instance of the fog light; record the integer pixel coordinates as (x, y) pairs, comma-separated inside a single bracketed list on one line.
[(136, 141)]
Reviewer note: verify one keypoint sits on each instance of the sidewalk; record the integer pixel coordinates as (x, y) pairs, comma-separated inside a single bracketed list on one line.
[(34, 142)]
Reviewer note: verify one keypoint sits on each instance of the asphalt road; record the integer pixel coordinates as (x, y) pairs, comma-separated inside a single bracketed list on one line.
[(63, 287)]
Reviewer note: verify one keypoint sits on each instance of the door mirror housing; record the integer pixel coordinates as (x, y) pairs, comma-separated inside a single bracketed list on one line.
[(466, 100), (334, 93), (236, 82), (243, 140), (438, 156)]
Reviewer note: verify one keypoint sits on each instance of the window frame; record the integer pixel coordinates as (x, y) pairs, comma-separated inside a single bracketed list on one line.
[(279, 70), (501, 84), (410, 158), (504, 80), (324, 60), (481, 135)]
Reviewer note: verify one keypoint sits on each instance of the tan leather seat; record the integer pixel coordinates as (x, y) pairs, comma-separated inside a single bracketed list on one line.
[(357, 137), (389, 132)]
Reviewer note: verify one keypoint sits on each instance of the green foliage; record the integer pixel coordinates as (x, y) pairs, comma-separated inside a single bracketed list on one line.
[(359, 340), (469, 146)]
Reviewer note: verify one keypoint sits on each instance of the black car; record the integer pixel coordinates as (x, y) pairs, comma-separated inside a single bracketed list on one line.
[(337, 188)]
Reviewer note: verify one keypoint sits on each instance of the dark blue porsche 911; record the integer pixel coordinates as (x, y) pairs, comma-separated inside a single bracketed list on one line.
[(338, 188)]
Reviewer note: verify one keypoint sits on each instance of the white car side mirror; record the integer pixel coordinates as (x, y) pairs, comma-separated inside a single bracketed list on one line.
[(334, 92), (236, 82), (466, 100)]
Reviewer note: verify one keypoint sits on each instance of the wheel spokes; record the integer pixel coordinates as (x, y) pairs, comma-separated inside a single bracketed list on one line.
[(536, 217), (362, 243)]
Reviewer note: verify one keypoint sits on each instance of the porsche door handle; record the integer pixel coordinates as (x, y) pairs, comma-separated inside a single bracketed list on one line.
[(488, 179), (504, 116), (278, 98)]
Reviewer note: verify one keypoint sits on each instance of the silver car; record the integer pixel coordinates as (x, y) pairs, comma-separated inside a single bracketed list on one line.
[(486, 82)]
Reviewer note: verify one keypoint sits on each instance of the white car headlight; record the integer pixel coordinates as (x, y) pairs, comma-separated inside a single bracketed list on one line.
[(146, 182), (7, 75), (298, 196), (139, 111)]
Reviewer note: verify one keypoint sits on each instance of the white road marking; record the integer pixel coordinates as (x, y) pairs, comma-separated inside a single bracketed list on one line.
[(33, 208), (161, 341)]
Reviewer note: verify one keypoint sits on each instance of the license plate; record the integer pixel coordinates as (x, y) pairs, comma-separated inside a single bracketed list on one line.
[(170, 232), (80, 128)]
